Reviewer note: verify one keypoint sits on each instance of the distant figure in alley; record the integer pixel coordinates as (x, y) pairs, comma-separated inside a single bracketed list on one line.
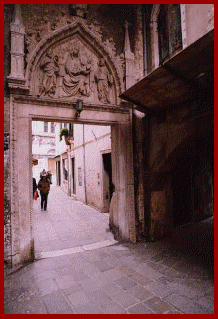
[(44, 188)]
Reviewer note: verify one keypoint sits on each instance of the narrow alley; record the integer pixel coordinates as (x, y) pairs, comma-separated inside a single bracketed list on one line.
[(67, 224), (81, 269)]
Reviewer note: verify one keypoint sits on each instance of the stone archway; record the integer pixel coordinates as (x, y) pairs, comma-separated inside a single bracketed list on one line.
[(24, 110), (49, 91)]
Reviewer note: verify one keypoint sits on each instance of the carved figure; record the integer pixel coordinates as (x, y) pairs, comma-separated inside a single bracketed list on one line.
[(50, 69), (77, 77), (103, 79)]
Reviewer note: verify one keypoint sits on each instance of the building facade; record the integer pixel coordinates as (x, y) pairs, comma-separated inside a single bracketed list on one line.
[(83, 163), (145, 71), (43, 147), (176, 99)]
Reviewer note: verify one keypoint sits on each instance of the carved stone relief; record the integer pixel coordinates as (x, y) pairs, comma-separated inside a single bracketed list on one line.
[(49, 28), (70, 70), (78, 67), (104, 80), (50, 68)]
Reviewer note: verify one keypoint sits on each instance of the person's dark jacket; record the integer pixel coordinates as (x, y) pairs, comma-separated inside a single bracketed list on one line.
[(44, 186)]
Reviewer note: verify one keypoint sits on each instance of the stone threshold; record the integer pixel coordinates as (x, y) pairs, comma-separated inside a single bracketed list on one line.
[(73, 250)]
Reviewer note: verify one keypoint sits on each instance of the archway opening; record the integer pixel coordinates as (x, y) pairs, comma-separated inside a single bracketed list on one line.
[(77, 160)]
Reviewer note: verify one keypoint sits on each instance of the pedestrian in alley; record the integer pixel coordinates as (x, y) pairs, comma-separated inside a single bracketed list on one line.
[(44, 188), (34, 186)]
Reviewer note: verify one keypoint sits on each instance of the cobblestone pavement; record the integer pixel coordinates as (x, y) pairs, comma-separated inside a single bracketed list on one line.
[(96, 275)]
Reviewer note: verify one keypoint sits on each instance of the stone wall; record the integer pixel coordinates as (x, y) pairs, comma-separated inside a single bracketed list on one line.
[(7, 210), (8, 14), (199, 20)]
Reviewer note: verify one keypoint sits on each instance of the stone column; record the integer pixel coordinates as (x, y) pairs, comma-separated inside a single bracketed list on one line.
[(122, 216), (17, 45), (21, 194)]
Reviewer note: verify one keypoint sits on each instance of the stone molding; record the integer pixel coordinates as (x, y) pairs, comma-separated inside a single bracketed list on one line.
[(14, 185), (68, 104)]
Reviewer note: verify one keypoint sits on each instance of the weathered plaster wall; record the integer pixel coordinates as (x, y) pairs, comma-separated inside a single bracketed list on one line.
[(199, 20), (159, 220), (172, 143), (94, 173), (96, 140), (164, 139)]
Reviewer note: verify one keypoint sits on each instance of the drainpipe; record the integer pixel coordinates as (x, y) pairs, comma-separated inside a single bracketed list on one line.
[(84, 163)]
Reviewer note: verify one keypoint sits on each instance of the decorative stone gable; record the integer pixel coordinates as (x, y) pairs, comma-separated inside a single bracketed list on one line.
[(73, 63)]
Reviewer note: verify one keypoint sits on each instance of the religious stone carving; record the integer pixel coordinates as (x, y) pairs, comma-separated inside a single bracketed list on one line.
[(77, 77), (50, 68), (74, 69), (104, 80), (70, 70)]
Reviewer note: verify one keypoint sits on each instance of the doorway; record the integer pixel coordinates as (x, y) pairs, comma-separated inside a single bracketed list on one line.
[(107, 187), (21, 138), (73, 176), (192, 186), (58, 163)]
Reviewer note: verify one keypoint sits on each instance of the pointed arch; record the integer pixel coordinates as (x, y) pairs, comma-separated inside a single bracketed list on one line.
[(167, 36), (76, 30)]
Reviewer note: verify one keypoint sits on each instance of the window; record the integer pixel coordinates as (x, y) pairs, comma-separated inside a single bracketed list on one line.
[(65, 124), (52, 127), (175, 28), (45, 126), (169, 30), (163, 34), (71, 130)]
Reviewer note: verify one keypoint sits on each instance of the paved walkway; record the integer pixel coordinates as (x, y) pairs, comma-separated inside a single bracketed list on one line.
[(68, 226), (81, 270)]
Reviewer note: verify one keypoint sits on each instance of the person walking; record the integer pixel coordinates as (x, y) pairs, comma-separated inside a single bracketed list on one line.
[(34, 186), (44, 188)]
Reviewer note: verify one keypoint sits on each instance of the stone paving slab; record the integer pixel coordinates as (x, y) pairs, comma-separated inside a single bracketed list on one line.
[(76, 292), (56, 303), (119, 278)]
